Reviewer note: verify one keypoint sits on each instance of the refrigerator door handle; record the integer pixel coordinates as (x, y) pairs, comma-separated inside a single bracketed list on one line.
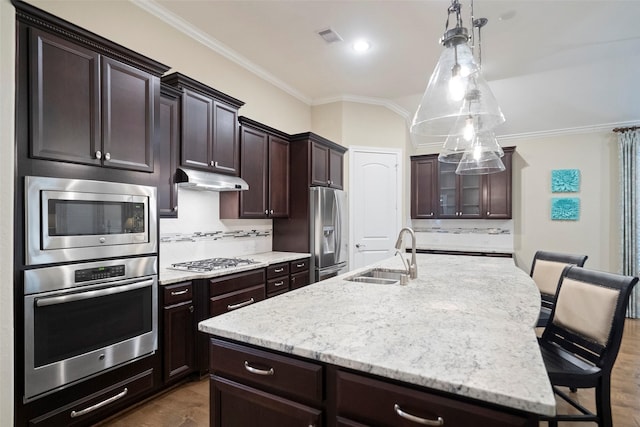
[(338, 224)]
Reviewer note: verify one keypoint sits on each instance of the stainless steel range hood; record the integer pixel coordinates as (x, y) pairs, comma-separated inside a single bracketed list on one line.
[(209, 181)]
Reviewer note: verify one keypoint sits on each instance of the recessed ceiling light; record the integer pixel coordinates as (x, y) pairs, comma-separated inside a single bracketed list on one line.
[(361, 45)]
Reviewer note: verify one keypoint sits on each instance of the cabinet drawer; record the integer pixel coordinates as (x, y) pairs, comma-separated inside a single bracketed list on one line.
[(235, 282), (299, 280), (278, 285), (103, 402), (283, 375), (234, 404), (299, 265), (235, 300), (180, 292), (277, 270), (374, 402)]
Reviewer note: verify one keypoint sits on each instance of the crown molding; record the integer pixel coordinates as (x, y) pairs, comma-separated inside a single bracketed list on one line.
[(183, 26), (567, 131), (364, 100)]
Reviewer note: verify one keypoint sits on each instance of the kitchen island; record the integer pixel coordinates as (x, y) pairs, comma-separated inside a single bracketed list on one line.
[(460, 337)]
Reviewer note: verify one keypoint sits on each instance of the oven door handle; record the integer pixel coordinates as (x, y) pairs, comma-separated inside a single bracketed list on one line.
[(42, 302)]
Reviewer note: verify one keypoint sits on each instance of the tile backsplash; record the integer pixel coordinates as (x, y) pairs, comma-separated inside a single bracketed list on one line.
[(199, 233), (465, 235)]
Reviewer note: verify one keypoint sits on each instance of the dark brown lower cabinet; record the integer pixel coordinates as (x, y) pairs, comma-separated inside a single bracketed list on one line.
[(179, 331), (237, 405), (253, 386), (299, 270), (374, 402)]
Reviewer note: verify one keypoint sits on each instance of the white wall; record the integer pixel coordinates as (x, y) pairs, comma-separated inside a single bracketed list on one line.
[(596, 233), (7, 102)]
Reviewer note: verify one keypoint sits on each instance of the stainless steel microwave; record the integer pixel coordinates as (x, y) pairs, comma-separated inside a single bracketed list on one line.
[(70, 220)]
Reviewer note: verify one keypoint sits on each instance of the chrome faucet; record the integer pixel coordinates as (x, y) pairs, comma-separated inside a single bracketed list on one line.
[(412, 268)]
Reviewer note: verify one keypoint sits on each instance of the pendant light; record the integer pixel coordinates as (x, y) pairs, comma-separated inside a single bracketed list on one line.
[(442, 100), (459, 104), (483, 154)]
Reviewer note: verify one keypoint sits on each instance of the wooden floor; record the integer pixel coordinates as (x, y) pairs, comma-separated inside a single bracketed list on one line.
[(188, 404)]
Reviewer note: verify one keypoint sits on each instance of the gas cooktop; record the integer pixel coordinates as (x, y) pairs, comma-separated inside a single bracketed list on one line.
[(211, 264)]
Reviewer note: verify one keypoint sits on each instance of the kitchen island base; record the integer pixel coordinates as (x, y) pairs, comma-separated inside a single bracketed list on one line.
[(252, 386)]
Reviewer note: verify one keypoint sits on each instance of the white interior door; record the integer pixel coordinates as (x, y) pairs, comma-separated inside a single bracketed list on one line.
[(375, 203)]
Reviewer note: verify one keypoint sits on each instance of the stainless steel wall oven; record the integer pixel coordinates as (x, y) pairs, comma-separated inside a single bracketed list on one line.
[(82, 319), (91, 279), (71, 220)]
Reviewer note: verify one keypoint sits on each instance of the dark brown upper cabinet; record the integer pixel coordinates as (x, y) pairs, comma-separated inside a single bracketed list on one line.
[(264, 165), (86, 107), (167, 149), (437, 192), (209, 125), (326, 166), (497, 189), (423, 187)]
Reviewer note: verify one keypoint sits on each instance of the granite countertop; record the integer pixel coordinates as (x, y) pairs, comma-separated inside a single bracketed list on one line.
[(263, 259), (464, 326)]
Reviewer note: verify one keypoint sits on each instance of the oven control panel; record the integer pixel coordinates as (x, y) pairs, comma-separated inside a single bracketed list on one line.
[(98, 273)]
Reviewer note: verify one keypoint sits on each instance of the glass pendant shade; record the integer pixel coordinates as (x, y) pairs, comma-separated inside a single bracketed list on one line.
[(481, 105), (455, 146), (444, 97), (480, 160)]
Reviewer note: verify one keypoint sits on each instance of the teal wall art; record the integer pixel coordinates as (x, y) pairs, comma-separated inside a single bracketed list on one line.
[(565, 181), (565, 208)]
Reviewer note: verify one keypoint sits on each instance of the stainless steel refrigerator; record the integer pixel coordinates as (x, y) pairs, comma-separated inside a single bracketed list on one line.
[(328, 233)]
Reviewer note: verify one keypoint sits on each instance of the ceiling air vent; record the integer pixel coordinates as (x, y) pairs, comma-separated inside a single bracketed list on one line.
[(329, 35)]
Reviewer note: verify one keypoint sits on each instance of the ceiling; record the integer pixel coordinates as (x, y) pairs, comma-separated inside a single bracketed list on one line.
[(278, 40)]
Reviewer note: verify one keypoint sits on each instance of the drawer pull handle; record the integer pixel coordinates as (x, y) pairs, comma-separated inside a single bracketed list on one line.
[(240, 304), (415, 419), (279, 270), (257, 371), (277, 284), (99, 405), (300, 265), (176, 293)]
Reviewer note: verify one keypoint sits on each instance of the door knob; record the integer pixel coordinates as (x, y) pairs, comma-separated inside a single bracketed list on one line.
[(358, 245)]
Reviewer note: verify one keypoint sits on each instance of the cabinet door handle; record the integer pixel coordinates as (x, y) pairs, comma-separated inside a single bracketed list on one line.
[(266, 211), (487, 212), (279, 270), (279, 283), (257, 371), (98, 154), (182, 292), (300, 265), (191, 309), (212, 163), (240, 304), (271, 212), (418, 420), (107, 156), (99, 405)]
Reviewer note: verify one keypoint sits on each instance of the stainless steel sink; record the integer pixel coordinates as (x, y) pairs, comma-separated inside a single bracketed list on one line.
[(381, 276)]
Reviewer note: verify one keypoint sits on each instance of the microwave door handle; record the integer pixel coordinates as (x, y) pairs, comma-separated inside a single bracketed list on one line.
[(42, 302)]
